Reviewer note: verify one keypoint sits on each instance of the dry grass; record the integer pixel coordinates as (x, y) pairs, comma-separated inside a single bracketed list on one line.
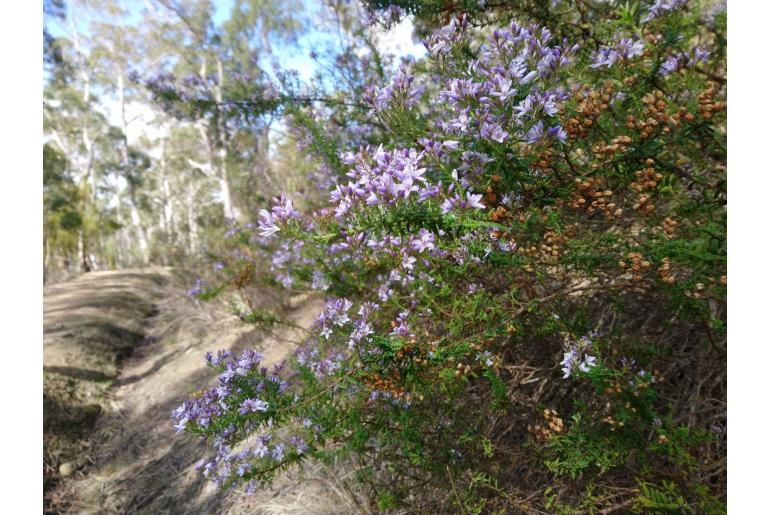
[(139, 464)]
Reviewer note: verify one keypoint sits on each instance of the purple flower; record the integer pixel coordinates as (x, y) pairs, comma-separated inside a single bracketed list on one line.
[(440, 43), (669, 66), (399, 92), (625, 49), (699, 55), (242, 469), (557, 132), (535, 134), (319, 281), (299, 444), (494, 132), (660, 7), (181, 424), (197, 289), (588, 363), (474, 200), (576, 357), (629, 48), (267, 225), (361, 330), (538, 132), (451, 144), (253, 406), (450, 203), (425, 240), (384, 292), (335, 314), (402, 327), (277, 453), (284, 208), (503, 89)]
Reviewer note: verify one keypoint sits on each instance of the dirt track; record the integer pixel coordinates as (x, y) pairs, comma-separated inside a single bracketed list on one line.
[(130, 345)]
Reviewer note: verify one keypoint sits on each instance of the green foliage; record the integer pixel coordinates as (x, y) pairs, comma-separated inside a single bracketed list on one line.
[(583, 272), (665, 499)]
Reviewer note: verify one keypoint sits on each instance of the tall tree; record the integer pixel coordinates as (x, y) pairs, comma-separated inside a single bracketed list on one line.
[(220, 65)]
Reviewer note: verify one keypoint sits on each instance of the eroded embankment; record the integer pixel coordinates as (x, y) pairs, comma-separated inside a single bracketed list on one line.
[(135, 463), (90, 325)]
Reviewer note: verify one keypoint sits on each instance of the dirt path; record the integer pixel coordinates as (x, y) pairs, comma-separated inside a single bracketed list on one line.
[(89, 326), (135, 461)]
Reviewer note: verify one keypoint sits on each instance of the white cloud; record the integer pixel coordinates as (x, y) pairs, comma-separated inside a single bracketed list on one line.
[(140, 118), (398, 40)]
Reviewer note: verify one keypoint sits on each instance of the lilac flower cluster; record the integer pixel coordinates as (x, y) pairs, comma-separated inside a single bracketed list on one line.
[(239, 401), (362, 327), (624, 50), (309, 356), (538, 132), (213, 403), (440, 43), (282, 211), (507, 89), (319, 281), (661, 7), (266, 453), (285, 258), (471, 201), (387, 18), (577, 357), (401, 327), (716, 9), (253, 406), (675, 62), (335, 314), (381, 177), (400, 92), (423, 241)]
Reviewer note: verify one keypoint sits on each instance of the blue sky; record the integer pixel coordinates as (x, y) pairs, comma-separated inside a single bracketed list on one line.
[(398, 41)]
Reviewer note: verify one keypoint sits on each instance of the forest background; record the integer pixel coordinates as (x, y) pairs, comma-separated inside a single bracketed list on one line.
[(127, 182)]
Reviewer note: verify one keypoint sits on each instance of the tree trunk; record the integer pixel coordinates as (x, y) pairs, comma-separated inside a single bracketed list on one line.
[(120, 232), (85, 263), (167, 209), (231, 211), (46, 251), (192, 224), (87, 166), (141, 230)]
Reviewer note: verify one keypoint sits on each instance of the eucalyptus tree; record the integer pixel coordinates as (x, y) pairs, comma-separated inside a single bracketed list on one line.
[(62, 220), (207, 70), (116, 47), (75, 125), (71, 125)]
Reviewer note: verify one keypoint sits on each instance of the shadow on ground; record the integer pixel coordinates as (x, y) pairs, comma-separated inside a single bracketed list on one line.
[(90, 325), (136, 462)]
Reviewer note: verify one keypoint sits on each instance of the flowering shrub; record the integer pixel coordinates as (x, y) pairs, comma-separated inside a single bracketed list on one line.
[(535, 227)]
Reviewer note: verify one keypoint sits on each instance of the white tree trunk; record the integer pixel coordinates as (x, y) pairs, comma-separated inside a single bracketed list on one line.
[(119, 234), (224, 184), (86, 164), (191, 221), (140, 229), (167, 209)]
